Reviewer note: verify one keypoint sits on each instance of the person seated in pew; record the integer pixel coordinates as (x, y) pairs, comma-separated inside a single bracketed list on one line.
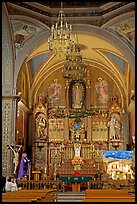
[(8, 185), (14, 186)]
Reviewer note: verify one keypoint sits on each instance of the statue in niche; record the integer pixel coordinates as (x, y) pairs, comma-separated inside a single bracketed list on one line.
[(77, 95), (101, 87), (114, 129), (77, 149), (55, 88), (41, 126)]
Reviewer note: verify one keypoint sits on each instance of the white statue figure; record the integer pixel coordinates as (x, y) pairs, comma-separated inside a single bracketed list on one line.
[(114, 129), (111, 126), (117, 129), (16, 156), (77, 149), (77, 96), (41, 125), (55, 86)]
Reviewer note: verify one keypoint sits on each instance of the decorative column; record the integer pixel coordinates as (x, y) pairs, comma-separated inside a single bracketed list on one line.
[(89, 126), (88, 89), (66, 119), (66, 127), (67, 94), (9, 107), (9, 98)]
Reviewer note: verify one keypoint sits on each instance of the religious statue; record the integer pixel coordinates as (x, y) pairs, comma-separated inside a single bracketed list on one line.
[(101, 87), (114, 129), (16, 156), (77, 95), (41, 125), (77, 149), (24, 168), (55, 86)]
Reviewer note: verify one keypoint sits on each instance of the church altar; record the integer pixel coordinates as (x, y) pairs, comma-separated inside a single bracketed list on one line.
[(75, 181)]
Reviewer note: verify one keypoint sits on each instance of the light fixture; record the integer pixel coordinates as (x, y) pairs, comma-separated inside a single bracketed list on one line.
[(61, 38), (74, 67)]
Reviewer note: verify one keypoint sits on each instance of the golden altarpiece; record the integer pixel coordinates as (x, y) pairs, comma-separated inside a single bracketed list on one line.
[(77, 130)]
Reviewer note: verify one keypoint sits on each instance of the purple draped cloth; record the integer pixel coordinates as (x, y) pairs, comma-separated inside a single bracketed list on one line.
[(21, 172)]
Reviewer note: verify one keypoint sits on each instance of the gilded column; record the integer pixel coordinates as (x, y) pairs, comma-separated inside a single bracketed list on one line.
[(89, 126), (88, 89), (66, 126), (66, 119), (67, 94)]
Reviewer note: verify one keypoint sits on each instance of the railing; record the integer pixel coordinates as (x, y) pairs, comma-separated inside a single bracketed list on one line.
[(31, 184), (96, 184), (61, 186)]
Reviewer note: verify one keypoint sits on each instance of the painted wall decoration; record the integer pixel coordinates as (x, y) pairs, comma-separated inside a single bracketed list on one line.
[(101, 87), (125, 30), (54, 90), (22, 33)]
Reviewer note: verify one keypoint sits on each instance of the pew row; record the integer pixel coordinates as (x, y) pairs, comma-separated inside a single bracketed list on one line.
[(43, 195), (106, 195)]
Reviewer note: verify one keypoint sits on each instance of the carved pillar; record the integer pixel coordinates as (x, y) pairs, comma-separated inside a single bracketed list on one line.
[(67, 94), (66, 128), (9, 101), (88, 89), (89, 132), (9, 107)]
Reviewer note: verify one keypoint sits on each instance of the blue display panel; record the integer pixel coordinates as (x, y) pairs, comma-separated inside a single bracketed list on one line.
[(118, 154)]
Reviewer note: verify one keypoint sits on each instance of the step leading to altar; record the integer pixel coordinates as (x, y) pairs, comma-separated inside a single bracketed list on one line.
[(71, 196)]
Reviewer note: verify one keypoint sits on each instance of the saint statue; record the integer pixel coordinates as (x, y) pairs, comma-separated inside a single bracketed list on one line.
[(16, 156), (41, 125), (114, 128), (77, 149), (77, 96)]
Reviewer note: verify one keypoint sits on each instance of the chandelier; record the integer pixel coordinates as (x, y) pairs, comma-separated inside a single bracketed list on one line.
[(61, 38), (74, 67)]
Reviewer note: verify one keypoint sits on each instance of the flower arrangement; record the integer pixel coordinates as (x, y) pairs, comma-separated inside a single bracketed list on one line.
[(77, 160)]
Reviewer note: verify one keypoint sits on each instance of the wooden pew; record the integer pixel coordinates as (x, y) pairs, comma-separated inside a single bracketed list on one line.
[(19, 200), (106, 195), (109, 200), (39, 195)]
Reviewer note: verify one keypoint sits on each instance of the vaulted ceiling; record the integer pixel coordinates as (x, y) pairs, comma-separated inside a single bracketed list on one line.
[(105, 32)]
